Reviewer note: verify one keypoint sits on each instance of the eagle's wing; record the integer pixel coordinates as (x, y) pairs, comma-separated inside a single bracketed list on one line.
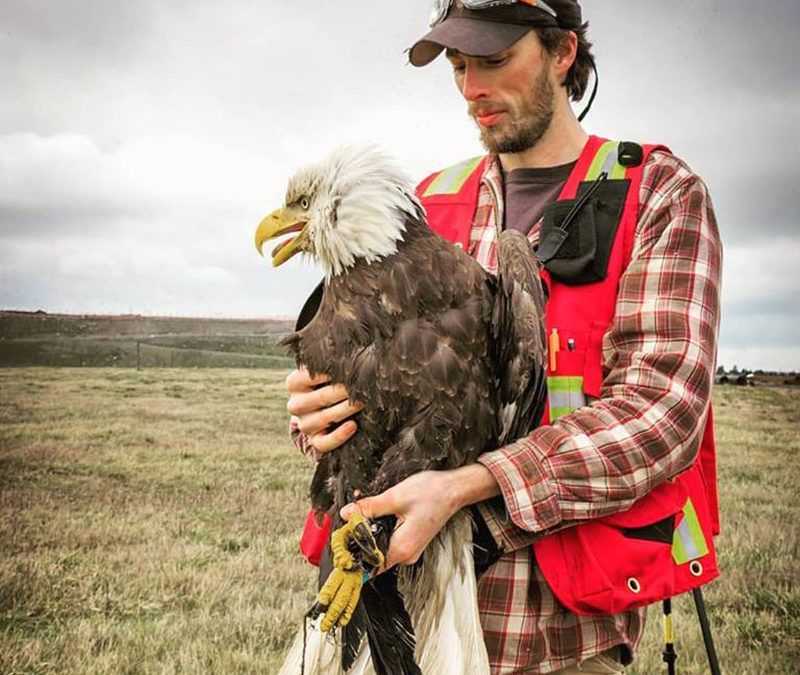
[(519, 337)]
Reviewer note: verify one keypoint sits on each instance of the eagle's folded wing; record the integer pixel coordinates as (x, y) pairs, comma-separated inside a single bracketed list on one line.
[(519, 338)]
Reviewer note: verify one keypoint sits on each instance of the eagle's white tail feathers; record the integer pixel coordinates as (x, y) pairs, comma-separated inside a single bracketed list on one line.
[(442, 600), (323, 656)]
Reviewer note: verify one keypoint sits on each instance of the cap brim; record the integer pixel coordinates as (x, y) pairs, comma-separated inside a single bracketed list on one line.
[(469, 36)]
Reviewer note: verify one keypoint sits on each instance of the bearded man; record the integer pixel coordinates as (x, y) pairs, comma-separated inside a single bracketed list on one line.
[(585, 520)]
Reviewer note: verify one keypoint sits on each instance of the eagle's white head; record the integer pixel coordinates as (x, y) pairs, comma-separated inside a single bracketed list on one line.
[(353, 205)]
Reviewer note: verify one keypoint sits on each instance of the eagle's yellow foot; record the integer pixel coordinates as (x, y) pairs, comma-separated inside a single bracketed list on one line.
[(339, 597), (355, 537), (355, 555)]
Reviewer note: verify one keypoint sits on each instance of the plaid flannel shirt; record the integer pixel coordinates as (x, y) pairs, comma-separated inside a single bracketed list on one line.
[(658, 364)]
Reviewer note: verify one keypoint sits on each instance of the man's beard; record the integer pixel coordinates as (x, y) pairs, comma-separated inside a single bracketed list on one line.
[(529, 123)]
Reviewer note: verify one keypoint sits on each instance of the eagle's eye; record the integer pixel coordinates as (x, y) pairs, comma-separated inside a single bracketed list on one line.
[(304, 203)]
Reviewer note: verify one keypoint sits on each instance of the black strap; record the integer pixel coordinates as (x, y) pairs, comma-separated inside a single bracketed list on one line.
[(594, 93)]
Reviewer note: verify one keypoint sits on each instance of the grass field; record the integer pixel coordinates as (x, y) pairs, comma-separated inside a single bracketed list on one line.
[(149, 524)]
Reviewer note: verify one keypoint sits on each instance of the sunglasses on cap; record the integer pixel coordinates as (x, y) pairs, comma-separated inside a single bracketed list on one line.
[(441, 7)]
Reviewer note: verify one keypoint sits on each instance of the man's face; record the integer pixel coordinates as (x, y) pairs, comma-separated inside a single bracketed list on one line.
[(510, 95)]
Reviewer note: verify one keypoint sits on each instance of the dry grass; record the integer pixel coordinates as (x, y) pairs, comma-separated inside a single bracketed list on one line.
[(755, 605), (148, 524)]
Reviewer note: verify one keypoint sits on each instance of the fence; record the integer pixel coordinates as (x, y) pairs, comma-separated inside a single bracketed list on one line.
[(153, 355), (143, 353)]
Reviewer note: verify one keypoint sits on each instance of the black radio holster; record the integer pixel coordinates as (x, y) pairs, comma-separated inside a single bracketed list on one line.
[(577, 235)]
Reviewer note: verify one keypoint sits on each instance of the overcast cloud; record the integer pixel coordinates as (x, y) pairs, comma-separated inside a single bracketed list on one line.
[(141, 142)]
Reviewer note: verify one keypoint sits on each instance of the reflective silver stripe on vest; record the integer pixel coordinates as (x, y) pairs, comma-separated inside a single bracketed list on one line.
[(570, 399), (611, 160)]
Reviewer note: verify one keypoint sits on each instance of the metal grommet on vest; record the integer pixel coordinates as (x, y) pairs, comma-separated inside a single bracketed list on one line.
[(634, 585), (696, 568)]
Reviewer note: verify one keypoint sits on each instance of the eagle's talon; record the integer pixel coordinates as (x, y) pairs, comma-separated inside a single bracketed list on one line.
[(353, 544), (370, 555)]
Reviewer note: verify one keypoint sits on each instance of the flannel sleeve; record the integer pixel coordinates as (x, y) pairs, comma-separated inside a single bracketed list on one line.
[(658, 362)]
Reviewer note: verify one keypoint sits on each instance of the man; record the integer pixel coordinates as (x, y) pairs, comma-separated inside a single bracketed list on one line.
[(517, 64)]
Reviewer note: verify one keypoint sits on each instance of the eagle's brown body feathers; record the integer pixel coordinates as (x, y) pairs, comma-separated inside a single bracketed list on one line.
[(411, 335)]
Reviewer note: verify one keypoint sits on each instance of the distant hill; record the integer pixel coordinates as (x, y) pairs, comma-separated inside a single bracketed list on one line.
[(15, 324), (128, 340)]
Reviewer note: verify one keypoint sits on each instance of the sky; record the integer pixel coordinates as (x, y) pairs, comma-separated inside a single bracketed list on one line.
[(141, 141)]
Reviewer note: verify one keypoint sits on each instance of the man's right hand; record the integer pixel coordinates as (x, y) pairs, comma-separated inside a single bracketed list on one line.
[(319, 409)]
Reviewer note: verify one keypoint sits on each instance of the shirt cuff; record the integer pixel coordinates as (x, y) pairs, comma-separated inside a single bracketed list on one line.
[(528, 492), (506, 535)]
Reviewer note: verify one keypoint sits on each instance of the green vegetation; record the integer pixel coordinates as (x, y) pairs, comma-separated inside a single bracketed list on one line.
[(149, 524)]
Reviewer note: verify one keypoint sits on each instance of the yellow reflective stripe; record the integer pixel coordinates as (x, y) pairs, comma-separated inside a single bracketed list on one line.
[(599, 160), (565, 383), (450, 181), (669, 632), (618, 171), (688, 541)]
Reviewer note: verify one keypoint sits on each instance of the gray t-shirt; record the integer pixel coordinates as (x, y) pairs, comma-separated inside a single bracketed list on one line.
[(529, 191)]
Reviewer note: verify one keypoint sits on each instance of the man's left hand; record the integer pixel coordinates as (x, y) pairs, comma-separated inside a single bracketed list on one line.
[(423, 503)]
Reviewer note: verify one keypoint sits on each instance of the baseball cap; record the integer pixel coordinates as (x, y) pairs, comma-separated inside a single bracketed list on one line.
[(483, 32)]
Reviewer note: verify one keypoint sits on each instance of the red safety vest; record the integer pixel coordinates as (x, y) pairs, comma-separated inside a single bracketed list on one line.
[(612, 564), (663, 545)]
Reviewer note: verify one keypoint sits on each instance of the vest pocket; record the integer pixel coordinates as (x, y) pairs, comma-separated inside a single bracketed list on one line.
[(565, 388), (659, 548), (578, 375)]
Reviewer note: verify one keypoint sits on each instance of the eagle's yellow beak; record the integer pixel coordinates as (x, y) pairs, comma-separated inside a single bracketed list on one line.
[(282, 221)]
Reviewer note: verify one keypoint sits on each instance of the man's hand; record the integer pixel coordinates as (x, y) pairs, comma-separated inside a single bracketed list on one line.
[(423, 503), (318, 408)]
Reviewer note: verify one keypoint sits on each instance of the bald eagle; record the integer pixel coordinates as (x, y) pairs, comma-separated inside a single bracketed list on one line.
[(449, 361)]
